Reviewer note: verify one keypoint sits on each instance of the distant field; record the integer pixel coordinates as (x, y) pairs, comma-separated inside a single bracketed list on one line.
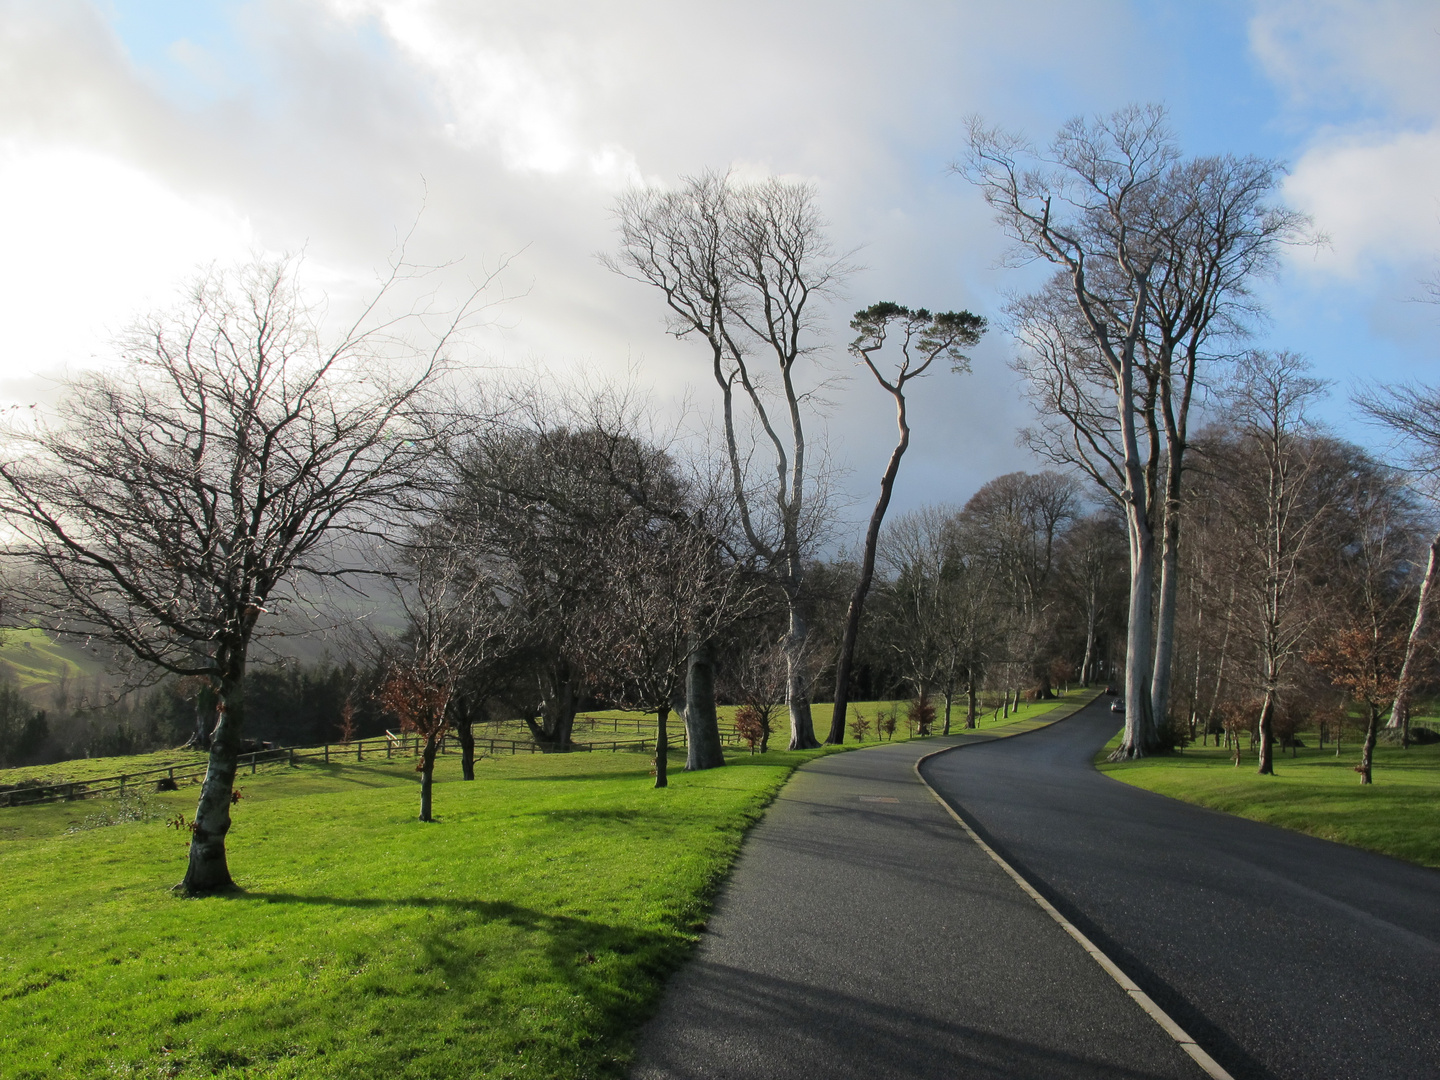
[(31, 660), (1314, 792), (631, 725)]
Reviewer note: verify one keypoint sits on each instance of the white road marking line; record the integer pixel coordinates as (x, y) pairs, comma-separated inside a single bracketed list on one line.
[(1159, 1015)]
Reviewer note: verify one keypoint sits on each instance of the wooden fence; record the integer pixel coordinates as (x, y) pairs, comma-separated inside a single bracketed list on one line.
[(388, 745)]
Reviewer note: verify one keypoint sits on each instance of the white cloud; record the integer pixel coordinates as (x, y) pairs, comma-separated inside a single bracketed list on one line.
[(1370, 175), (1377, 198), (1383, 53)]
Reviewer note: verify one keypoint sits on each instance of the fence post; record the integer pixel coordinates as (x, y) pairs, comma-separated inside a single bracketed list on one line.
[(327, 753), (360, 750), (292, 757)]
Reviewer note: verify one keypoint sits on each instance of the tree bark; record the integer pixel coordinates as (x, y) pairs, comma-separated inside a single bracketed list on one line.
[(702, 724), (1267, 735), (1165, 625), (972, 703), (867, 574), (1367, 751), (1400, 713), (662, 747), (797, 681), (205, 718), (1138, 739), (557, 711), (465, 732), (209, 871), (427, 774)]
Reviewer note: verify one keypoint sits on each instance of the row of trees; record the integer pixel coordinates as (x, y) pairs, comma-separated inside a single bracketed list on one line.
[(1155, 259), (241, 467)]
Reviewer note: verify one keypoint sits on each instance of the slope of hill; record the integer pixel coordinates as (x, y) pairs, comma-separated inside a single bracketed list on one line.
[(32, 661)]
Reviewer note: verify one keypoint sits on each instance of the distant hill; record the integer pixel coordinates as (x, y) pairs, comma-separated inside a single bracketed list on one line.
[(32, 661)]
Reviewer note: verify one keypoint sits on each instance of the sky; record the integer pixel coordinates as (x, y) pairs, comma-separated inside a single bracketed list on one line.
[(142, 139)]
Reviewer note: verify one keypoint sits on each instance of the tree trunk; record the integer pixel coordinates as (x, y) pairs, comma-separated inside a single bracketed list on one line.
[(662, 747), (972, 708), (702, 725), (557, 710), (464, 731), (867, 573), (1400, 713), (1138, 739), (797, 680), (1267, 735), (949, 696), (1367, 750), (1165, 628), (427, 774), (208, 871), (1090, 619), (205, 718)]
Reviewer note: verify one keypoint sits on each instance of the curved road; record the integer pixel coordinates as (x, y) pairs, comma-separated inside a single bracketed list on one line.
[(1282, 955)]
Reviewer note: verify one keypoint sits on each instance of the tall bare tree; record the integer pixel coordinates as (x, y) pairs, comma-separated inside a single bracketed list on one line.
[(1278, 497), (235, 448), (740, 265), (1154, 257), (931, 336), (1412, 413)]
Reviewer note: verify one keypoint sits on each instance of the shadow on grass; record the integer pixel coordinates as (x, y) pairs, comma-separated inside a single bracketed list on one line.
[(618, 972)]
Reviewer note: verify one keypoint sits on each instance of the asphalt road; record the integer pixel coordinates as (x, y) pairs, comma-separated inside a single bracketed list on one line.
[(863, 934), (1282, 955)]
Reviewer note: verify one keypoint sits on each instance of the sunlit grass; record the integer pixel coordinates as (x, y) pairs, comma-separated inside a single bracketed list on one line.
[(1314, 792), (525, 934)]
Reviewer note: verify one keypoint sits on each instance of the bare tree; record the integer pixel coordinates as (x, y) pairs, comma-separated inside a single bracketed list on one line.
[(1091, 561), (1278, 500), (234, 449), (740, 265), (1154, 256), (668, 586), (1412, 413), (1015, 524), (932, 337), (1362, 646)]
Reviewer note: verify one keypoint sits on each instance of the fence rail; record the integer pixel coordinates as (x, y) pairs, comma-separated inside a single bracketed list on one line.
[(388, 745)]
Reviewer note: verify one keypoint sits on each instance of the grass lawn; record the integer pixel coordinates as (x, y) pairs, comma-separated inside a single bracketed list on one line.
[(1314, 792), (526, 934), (32, 659)]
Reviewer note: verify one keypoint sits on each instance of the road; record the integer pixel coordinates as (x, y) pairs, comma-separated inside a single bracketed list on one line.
[(863, 934), (1284, 956)]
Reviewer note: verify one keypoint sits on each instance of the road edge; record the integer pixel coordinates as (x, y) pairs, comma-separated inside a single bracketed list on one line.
[(1182, 1038)]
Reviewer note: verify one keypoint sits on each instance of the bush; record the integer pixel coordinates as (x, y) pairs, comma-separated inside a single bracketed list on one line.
[(859, 726), (922, 713), (752, 725)]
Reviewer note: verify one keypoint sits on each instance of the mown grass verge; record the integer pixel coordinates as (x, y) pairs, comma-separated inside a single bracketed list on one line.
[(1314, 792), (526, 934)]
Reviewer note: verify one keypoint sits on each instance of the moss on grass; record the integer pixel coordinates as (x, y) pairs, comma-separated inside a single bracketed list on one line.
[(1314, 792)]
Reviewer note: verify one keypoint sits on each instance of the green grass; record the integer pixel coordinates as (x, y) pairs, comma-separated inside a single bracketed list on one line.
[(32, 660), (526, 934), (64, 772), (1314, 792)]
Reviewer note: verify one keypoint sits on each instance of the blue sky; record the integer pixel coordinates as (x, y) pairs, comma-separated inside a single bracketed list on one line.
[(139, 139)]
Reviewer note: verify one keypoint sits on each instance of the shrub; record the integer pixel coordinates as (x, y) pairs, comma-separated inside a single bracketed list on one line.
[(922, 713), (859, 726), (752, 725)]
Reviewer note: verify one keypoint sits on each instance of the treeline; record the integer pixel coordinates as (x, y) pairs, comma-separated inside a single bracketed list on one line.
[(290, 705)]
